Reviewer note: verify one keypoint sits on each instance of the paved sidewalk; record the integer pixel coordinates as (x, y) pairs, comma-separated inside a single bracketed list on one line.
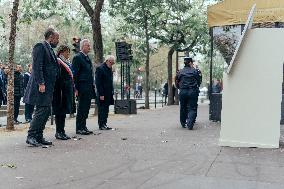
[(148, 150)]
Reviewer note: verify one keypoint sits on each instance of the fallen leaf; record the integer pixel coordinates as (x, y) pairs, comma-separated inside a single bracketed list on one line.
[(9, 165)]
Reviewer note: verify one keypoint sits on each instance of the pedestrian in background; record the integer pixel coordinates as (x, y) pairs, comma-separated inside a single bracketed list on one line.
[(188, 80), (136, 90), (166, 91), (140, 90), (2, 87), (216, 87), (18, 91), (29, 109), (5, 82)]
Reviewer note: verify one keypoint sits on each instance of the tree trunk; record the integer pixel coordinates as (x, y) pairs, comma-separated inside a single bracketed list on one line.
[(170, 76), (10, 91), (176, 91), (147, 104), (95, 15), (147, 67), (97, 33)]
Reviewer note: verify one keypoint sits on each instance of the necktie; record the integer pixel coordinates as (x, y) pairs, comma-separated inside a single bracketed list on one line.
[(53, 54), (88, 59)]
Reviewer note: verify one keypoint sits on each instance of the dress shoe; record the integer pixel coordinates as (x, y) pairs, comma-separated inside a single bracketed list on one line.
[(104, 127), (28, 120), (190, 127), (87, 130), (108, 128), (60, 136), (32, 141), (66, 136), (45, 142), (82, 132)]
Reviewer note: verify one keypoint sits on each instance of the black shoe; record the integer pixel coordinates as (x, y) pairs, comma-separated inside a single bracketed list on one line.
[(66, 136), (82, 132), (32, 141), (190, 127), (108, 128), (60, 136), (87, 130), (104, 127), (183, 125), (45, 142), (28, 120)]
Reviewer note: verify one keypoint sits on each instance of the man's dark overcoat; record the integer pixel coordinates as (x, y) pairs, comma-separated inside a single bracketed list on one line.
[(44, 71), (104, 83)]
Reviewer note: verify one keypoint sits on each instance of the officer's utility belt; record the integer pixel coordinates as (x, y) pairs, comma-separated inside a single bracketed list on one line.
[(188, 88)]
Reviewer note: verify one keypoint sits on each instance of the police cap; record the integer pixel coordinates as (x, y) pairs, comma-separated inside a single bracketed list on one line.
[(188, 59)]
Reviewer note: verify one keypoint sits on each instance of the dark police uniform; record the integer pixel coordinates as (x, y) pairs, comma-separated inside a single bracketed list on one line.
[(188, 81)]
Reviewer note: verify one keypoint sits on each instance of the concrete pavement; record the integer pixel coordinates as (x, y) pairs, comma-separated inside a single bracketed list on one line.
[(148, 150)]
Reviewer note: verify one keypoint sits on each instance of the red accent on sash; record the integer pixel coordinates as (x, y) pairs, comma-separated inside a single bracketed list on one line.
[(66, 67)]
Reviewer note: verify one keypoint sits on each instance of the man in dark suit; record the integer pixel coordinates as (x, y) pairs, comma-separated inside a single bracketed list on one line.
[(39, 91), (84, 85), (104, 84)]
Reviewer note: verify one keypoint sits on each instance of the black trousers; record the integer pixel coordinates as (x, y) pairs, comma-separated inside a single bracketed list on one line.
[(29, 110), (17, 101), (84, 104), (60, 123), (166, 96), (103, 110), (188, 106), (38, 122)]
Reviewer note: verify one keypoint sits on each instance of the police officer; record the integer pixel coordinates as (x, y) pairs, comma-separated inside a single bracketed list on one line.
[(188, 81)]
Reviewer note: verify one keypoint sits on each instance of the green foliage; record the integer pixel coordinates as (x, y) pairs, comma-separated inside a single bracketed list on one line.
[(183, 25), (169, 22), (136, 14), (218, 67), (2, 22), (42, 9), (139, 21)]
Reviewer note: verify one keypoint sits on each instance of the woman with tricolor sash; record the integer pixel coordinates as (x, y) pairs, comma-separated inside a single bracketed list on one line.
[(63, 92)]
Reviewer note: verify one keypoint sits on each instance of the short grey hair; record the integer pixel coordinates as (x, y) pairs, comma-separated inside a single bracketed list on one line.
[(108, 57), (82, 42)]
